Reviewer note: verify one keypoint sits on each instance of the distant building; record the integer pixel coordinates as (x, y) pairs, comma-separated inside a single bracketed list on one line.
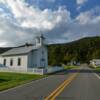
[(28, 56), (95, 62)]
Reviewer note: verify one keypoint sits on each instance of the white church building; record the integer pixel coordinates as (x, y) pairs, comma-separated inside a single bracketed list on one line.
[(26, 57)]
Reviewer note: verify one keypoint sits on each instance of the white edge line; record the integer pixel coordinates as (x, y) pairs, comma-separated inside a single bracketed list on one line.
[(97, 75), (25, 84)]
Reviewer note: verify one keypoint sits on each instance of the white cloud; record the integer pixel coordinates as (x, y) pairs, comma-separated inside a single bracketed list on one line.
[(3, 44), (23, 22), (45, 19), (84, 18), (34, 17), (85, 24), (52, 1), (80, 2), (18, 7), (92, 16)]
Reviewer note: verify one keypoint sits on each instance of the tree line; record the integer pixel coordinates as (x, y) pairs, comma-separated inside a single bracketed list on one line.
[(82, 51)]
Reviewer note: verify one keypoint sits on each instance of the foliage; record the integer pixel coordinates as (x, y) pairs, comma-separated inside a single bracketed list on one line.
[(71, 67), (82, 50)]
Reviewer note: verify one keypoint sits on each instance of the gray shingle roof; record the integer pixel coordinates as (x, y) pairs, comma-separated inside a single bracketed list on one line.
[(19, 50)]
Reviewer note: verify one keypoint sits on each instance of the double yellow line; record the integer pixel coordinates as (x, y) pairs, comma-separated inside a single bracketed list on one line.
[(56, 92)]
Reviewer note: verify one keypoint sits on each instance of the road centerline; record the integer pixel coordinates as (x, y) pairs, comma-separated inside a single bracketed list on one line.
[(61, 87)]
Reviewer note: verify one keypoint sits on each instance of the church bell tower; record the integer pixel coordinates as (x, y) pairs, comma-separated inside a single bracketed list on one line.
[(40, 40)]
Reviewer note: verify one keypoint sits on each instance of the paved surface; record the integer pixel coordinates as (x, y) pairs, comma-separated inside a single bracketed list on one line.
[(36, 90), (86, 86)]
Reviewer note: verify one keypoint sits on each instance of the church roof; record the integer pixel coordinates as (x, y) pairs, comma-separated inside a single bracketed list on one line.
[(19, 50)]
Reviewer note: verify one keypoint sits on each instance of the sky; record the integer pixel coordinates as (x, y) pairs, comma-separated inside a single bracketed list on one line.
[(60, 21)]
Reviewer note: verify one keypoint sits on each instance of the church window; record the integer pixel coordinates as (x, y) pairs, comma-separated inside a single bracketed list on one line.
[(42, 52), (19, 61), (11, 62), (4, 62)]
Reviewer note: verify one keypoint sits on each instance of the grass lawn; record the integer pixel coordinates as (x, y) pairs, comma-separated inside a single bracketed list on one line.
[(71, 67), (9, 80), (98, 68)]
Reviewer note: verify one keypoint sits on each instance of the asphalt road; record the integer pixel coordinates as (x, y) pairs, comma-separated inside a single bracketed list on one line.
[(85, 86)]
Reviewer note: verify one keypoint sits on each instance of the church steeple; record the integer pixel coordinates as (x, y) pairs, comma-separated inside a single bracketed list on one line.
[(40, 40)]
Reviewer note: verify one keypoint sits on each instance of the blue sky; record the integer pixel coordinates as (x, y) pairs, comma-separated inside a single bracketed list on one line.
[(59, 20), (70, 5)]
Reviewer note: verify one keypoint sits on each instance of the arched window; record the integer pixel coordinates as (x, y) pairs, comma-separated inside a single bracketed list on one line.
[(19, 61)]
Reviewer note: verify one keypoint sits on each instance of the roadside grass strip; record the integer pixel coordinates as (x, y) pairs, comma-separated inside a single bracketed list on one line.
[(56, 92), (10, 80)]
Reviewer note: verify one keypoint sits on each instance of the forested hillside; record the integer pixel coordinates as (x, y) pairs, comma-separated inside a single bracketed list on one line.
[(81, 51)]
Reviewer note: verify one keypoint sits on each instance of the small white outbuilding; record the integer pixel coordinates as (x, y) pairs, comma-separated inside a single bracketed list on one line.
[(95, 62), (28, 56)]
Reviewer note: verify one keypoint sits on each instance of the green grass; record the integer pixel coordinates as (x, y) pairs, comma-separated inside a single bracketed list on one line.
[(70, 67), (9, 80), (97, 68)]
